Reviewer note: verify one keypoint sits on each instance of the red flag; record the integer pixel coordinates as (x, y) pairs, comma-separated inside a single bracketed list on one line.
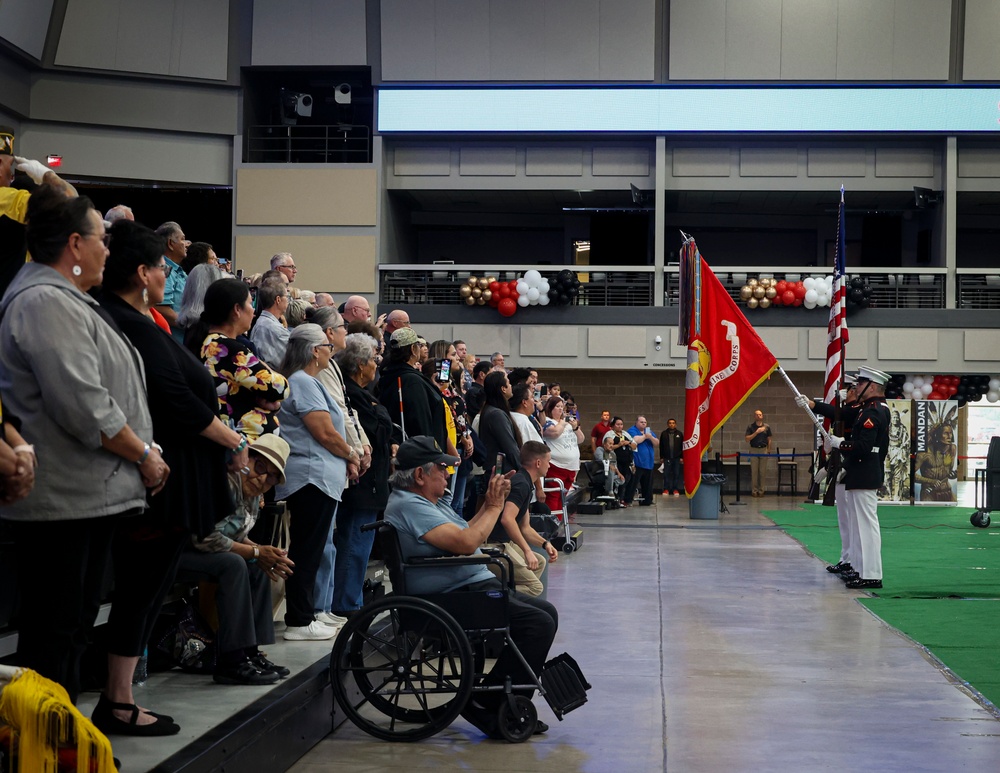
[(837, 328), (726, 359)]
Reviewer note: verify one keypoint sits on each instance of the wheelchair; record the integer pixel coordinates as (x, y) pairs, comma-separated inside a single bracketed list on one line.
[(404, 667)]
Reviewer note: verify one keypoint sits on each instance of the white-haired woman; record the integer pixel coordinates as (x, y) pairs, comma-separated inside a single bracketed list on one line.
[(315, 477), (193, 300)]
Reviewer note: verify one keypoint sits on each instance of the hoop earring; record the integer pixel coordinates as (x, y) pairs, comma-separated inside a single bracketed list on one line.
[(77, 271)]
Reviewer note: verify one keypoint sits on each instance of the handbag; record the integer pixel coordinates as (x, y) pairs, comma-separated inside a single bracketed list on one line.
[(181, 638)]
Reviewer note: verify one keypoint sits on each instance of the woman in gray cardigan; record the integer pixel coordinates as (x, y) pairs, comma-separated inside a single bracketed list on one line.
[(77, 386)]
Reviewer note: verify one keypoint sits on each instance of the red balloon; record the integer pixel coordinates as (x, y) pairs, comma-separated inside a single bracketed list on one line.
[(514, 295), (494, 300), (777, 300), (512, 284), (503, 291), (797, 302), (781, 287), (507, 307), (800, 291), (935, 395), (788, 297), (494, 286)]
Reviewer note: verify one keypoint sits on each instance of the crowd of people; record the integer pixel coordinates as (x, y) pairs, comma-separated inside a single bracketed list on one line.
[(153, 402)]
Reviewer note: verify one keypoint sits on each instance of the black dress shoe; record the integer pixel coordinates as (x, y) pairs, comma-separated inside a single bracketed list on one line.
[(109, 724), (540, 727), (840, 568), (860, 584), (244, 672), (262, 663)]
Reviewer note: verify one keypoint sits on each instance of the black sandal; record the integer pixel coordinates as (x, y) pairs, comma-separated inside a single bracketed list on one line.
[(105, 721)]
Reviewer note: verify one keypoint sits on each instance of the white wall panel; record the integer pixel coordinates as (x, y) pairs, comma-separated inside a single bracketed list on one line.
[(490, 162), (837, 162), (978, 162), (769, 162), (408, 40), (982, 345), (701, 162), (901, 344), (981, 56), (145, 36), (613, 341), (921, 40), (697, 39), (25, 24), (904, 162), (809, 39), (549, 341), (517, 39), (628, 40), (572, 39), (621, 162), (416, 162), (309, 32), (89, 34), (557, 162), (864, 39), (753, 40), (462, 31)]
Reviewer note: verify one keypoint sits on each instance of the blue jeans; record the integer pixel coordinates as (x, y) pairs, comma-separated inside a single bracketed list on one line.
[(672, 480), (354, 548), (458, 496), (323, 593)]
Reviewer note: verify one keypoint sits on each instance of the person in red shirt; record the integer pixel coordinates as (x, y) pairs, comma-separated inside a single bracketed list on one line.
[(599, 430)]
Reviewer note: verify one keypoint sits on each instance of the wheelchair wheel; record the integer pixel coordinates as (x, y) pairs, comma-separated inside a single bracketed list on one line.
[(517, 724), (402, 669)]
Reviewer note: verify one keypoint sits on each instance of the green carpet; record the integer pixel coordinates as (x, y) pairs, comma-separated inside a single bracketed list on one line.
[(941, 581)]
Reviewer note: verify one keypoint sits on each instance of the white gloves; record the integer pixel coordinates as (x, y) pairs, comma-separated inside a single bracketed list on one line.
[(827, 445), (843, 395), (820, 475), (835, 441), (34, 169), (802, 401)]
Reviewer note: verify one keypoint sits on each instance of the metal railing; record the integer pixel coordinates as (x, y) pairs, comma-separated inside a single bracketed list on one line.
[(322, 144), (978, 291)]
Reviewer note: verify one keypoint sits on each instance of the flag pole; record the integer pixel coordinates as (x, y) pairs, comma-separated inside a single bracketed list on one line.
[(815, 419)]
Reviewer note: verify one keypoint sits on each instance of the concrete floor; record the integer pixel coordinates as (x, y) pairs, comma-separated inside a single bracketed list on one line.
[(714, 646)]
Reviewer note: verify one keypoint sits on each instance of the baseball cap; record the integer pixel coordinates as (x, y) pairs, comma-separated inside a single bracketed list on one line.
[(275, 450), (6, 141), (420, 450), (403, 337)]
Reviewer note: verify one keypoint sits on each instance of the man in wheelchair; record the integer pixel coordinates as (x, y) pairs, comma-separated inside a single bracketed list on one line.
[(420, 510)]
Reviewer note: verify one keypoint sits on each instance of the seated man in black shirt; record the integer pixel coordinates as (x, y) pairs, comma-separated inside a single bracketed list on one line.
[(513, 533)]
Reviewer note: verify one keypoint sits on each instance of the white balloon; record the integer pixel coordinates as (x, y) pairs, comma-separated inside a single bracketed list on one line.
[(918, 382), (907, 387), (829, 282), (994, 384), (543, 288), (993, 395), (533, 278), (809, 283), (522, 287), (522, 300), (822, 298), (810, 300), (533, 294), (543, 300)]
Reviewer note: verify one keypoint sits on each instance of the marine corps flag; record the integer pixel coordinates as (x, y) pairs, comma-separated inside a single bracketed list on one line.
[(726, 359)]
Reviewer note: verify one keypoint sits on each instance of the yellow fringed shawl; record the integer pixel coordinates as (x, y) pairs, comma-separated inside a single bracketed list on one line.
[(43, 718)]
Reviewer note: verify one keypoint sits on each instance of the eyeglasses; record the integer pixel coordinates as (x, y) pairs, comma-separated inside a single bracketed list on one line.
[(260, 468), (338, 327), (329, 345), (164, 268), (289, 265)]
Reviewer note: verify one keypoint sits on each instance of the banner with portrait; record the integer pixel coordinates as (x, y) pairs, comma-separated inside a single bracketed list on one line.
[(896, 485), (935, 446)]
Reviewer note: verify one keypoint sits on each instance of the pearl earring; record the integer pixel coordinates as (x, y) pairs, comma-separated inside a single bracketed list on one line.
[(77, 271)]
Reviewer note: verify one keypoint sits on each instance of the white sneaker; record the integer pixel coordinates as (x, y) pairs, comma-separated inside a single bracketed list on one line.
[(315, 631), (330, 619)]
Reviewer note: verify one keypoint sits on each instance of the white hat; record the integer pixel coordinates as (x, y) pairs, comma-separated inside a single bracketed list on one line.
[(870, 374)]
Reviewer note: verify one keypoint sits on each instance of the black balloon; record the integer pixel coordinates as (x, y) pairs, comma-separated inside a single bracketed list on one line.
[(857, 282)]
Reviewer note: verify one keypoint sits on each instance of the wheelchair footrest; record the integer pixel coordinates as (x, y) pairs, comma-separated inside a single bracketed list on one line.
[(565, 685)]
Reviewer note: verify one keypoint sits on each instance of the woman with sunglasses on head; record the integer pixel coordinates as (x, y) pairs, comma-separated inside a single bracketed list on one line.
[(196, 445), (315, 478), (78, 387), (244, 571)]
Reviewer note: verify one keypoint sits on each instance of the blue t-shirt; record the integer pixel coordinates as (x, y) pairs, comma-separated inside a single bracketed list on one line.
[(413, 516), (308, 461), (643, 455)]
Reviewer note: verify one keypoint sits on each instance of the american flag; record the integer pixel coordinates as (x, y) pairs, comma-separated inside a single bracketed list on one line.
[(836, 347)]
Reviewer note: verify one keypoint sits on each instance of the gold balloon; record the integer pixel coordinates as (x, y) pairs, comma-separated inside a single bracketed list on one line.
[(764, 302), (758, 292), (481, 301), (766, 282), (490, 280), (770, 293), (752, 282), (473, 281), (470, 301), (487, 295), (476, 292), (752, 303), (484, 283), (465, 291), (746, 292)]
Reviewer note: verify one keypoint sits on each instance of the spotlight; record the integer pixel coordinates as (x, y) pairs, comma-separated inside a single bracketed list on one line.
[(342, 94), (925, 197), (295, 105)]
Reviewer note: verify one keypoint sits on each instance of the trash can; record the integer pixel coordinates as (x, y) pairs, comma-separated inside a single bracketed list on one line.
[(705, 504)]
